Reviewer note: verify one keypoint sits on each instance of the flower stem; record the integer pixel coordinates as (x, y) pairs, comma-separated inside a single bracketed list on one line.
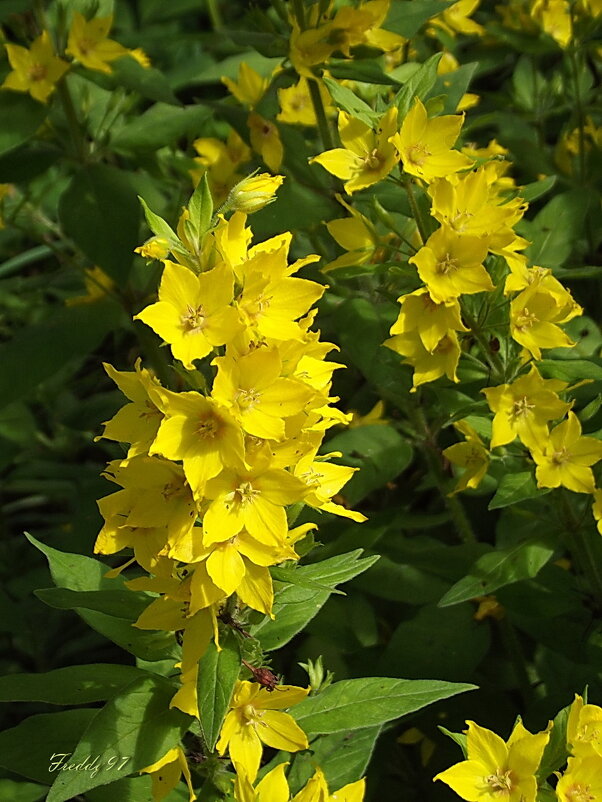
[(75, 129), (422, 230), (320, 112)]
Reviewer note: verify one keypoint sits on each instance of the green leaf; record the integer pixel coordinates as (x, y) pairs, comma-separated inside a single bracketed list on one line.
[(21, 117), (200, 208), (28, 748), (79, 573), (75, 685), (295, 605), (365, 70), (137, 724), (515, 487), (356, 703), (419, 85), (146, 81), (157, 224), (537, 189), (448, 644), (342, 756), (268, 44), (457, 737), (218, 673), (44, 347), (555, 230), (118, 603), (453, 85), (556, 752), (26, 162), (408, 16), (160, 126), (13, 791), (571, 370), (380, 453), (351, 103), (134, 789), (499, 568), (99, 210)]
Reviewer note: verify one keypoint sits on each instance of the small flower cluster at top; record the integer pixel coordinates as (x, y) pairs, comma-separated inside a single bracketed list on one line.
[(210, 472), (518, 768), (38, 69)]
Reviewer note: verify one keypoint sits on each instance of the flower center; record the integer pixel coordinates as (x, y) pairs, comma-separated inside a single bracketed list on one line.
[(37, 72), (444, 346), (194, 320), (525, 320), (417, 154), (149, 410), (460, 221), (373, 160), (501, 782), (85, 45), (245, 493), (579, 793), (560, 457), (521, 407), (447, 265), (247, 398), (207, 427)]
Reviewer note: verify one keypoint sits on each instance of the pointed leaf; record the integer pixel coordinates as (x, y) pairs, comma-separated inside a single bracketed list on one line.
[(218, 672)]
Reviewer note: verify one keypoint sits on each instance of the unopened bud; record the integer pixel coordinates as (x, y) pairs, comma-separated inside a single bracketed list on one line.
[(253, 193), (154, 248)]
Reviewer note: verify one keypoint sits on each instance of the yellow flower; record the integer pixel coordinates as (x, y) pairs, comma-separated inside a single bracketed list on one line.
[(367, 155), (312, 46), (375, 417), (254, 192), (296, 107), (361, 25), (554, 17), (251, 388), (419, 313), (88, 43), (357, 235), (252, 499), (201, 433), (220, 160), (166, 772), (324, 481), (584, 727), (250, 87), (535, 315), (470, 455), (265, 140), (523, 408), (452, 265), (193, 313), (582, 781), (428, 365), (468, 204), (36, 70), (256, 717), (136, 423), (496, 769), (454, 19), (565, 458), (425, 146), (141, 57), (154, 248)]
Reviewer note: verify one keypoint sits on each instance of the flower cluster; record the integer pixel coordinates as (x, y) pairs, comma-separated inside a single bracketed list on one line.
[(38, 69), (211, 471), (514, 769)]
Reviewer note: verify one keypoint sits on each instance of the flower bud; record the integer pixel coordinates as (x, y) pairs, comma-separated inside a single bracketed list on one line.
[(154, 248), (253, 193)]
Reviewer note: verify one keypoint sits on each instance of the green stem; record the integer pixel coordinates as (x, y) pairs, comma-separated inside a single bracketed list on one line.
[(215, 14), (320, 112), (493, 360), (299, 10), (75, 130), (280, 9), (422, 230), (433, 458), (574, 70)]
